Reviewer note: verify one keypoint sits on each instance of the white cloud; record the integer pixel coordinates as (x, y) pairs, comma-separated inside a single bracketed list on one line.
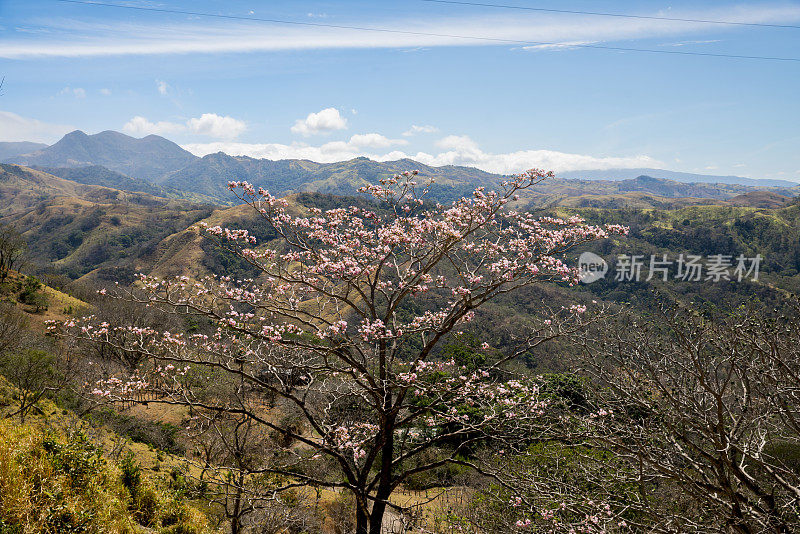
[(458, 143), (684, 43), (214, 125), (513, 162), (566, 45), (326, 153), (457, 150), (77, 92), (14, 127), (324, 121), (163, 87), (105, 92), (462, 150), (209, 124), (420, 129), (374, 140), (142, 126), (74, 39)]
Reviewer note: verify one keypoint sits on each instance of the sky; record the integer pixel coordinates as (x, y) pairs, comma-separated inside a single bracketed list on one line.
[(496, 88)]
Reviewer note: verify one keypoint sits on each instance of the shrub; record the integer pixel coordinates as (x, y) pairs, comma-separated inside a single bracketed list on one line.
[(32, 293), (53, 482), (131, 474), (162, 436)]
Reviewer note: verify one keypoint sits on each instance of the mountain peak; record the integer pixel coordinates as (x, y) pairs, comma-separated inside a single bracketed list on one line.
[(112, 133), (149, 158), (75, 134)]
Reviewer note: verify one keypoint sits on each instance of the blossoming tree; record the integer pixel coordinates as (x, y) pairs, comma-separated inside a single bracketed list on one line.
[(334, 347)]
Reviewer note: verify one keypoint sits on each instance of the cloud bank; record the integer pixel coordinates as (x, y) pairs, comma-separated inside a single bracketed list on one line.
[(208, 124), (456, 150), (14, 127)]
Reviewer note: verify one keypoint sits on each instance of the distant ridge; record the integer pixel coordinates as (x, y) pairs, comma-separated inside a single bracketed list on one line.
[(685, 177), (99, 175), (9, 150), (209, 175)]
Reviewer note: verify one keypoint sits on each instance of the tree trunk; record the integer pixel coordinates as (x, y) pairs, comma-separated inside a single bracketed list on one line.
[(385, 483), (362, 515), (378, 511), (237, 510)]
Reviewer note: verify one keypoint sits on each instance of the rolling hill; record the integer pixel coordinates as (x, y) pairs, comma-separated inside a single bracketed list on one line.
[(74, 228), (95, 235), (80, 229), (22, 188), (99, 175)]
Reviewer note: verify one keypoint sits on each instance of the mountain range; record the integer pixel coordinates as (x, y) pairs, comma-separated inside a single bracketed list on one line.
[(157, 166), (687, 177)]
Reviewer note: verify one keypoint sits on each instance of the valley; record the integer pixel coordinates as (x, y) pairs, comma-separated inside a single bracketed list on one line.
[(92, 230)]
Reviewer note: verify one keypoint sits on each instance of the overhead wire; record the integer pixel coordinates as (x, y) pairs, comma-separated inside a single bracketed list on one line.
[(620, 15), (498, 40)]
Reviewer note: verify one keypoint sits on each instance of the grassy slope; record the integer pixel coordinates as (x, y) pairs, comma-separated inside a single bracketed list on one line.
[(85, 488), (74, 228), (60, 305)]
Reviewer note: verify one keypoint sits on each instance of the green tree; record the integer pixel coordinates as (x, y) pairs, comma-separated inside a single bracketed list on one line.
[(12, 249), (32, 293), (34, 373)]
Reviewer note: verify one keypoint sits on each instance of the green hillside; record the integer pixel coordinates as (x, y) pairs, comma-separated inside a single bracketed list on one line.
[(99, 175), (72, 229), (85, 237)]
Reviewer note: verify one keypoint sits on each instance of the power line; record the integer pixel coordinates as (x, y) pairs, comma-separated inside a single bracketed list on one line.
[(428, 34), (621, 15)]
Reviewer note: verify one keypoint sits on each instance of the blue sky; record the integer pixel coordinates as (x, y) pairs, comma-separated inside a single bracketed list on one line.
[(282, 90)]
